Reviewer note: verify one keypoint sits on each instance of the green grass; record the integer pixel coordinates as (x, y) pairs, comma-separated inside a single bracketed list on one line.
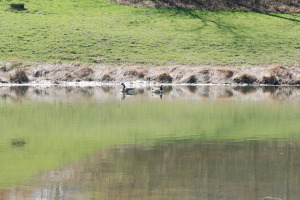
[(60, 133), (97, 31)]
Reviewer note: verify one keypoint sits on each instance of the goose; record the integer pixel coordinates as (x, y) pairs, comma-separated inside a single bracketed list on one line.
[(127, 90), (158, 90)]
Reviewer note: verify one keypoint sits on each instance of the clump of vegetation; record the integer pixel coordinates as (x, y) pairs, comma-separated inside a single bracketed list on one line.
[(165, 78), (19, 76), (270, 79), (245, 79), (40, 73), (296, 80), (17, 6), (204, 71), (204, 76), (76, 64), (85, 72), (134, 73), (282, 73), (191, 79), (68, 77), (14, 64), (3, 69), (106, 78), (228, 72)]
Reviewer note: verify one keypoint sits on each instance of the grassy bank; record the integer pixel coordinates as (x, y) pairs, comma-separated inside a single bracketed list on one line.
[(101, 32)]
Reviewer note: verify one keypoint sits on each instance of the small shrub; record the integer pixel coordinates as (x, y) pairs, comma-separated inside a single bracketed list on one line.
[(282, 73), (296, 80), (3, 69), (245, 78), (106, 77), (85, 71), (17, 6), (134, 73), (274, 69), (14, 64), (68, 77), (19, 76), (227, 71), (204, 71), (40, 73), (191, 79), (58, 62), (270, 79), (165, 78), (76, 64)]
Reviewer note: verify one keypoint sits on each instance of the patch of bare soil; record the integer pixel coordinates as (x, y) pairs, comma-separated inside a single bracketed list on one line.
[(62, 73)]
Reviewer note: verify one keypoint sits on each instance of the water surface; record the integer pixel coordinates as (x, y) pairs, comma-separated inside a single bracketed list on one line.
[(193, 142)]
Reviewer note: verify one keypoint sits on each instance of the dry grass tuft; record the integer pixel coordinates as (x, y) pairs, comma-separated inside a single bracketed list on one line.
[(227, 71), (106, 78), (58, 62), (296, 80), (275, 68), (165, 78), (270, 80), (85, 71), (191, 79), (14, 63), (204, 71), (134, 73), (19, 76), (40, 73), (3, 69), (76, 64), (245, 78)]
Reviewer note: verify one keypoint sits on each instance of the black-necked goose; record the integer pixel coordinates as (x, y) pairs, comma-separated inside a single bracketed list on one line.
[(159, 90), (127, 90)]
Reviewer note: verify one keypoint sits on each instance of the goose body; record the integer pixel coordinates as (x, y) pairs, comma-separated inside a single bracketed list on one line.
[(127, 90), (159, 90)]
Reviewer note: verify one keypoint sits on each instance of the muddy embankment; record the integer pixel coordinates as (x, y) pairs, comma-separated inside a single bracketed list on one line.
[(62, 73)]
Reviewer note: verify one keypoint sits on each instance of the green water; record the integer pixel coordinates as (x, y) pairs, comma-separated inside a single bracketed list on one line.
[(190, 143)]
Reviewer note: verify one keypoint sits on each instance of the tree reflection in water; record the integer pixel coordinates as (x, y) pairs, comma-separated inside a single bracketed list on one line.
[(177, 170)]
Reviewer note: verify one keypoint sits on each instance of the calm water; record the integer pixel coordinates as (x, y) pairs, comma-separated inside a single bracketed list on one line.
[(193, 142)]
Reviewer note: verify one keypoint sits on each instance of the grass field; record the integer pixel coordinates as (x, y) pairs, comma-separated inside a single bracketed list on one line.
[(97, 31)]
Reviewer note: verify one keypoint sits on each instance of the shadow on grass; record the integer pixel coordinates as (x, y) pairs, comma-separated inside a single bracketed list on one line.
[(205, 20), (281, 17)]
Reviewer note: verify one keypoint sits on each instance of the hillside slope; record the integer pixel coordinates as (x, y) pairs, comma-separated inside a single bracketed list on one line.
[(96, 31)]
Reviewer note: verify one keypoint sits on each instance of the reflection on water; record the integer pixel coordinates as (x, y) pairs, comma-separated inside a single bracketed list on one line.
[(176, 170), (193, 142), (170, 93)]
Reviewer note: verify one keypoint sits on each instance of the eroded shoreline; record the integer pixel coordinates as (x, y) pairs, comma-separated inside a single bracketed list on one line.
[(60, 74)]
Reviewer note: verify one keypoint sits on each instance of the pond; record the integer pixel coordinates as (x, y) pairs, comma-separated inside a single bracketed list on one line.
[(191, 142)]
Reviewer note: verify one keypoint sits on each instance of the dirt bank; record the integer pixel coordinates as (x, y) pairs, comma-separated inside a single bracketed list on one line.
[(62, 73)]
